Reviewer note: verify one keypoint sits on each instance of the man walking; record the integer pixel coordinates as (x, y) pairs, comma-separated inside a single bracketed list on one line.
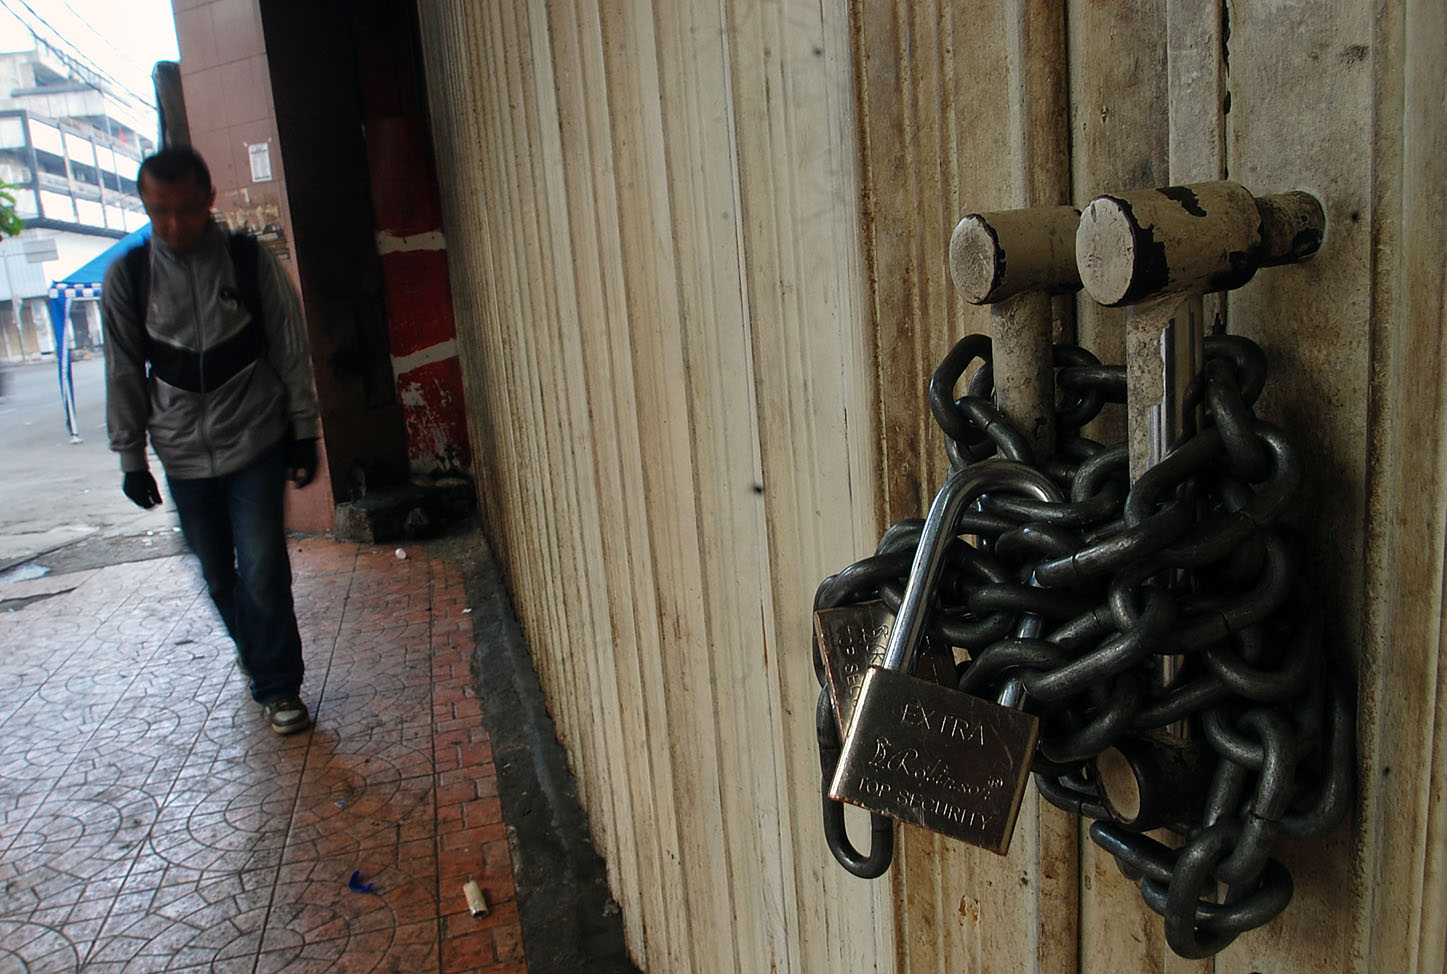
[(206, 352)]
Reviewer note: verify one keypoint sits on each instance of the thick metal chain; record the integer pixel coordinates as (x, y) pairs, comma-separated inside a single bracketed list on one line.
[(1188, 562)]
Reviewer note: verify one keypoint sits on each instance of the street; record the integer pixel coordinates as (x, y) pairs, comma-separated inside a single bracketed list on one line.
[(54, 493)]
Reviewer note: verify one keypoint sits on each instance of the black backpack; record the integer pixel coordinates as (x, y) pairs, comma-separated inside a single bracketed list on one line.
[(186, 369)]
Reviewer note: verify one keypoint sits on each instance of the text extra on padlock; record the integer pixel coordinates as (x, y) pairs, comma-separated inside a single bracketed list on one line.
[(930, 755)]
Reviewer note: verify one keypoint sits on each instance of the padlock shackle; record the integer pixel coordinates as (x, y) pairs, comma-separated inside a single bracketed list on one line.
[(963, 487)]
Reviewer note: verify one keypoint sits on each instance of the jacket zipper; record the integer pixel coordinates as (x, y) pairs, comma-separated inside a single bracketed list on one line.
[(200, 369)]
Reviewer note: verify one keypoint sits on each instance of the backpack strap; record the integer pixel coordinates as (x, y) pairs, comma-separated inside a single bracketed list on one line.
[(246, 258), (138, 269), (186, 369)]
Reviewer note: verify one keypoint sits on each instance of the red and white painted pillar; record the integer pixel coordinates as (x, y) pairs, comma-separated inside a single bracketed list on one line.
[(421, 330)]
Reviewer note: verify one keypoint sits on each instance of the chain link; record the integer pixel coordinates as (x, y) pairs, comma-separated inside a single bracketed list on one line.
[(1189, 562)]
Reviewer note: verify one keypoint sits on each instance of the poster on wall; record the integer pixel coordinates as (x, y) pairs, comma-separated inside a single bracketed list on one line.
[(260, 153)]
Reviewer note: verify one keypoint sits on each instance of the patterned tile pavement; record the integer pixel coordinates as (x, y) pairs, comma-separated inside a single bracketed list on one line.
[(151, 821)]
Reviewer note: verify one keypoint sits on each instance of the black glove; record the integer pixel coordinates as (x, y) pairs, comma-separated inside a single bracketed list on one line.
[(301, 461), (141, 488)]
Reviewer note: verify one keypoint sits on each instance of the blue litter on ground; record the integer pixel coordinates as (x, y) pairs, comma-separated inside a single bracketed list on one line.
[(23, 573)]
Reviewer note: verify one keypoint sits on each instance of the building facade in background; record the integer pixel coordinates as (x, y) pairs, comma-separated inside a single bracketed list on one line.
[(70, 144)]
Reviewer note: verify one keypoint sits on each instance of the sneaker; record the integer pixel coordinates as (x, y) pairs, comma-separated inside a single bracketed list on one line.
[(288, 715)]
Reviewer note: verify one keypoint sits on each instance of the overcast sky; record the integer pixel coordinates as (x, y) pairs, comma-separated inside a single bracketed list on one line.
[(124, 37)]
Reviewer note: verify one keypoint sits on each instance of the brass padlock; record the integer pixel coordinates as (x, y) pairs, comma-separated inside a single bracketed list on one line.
[(926, 754)]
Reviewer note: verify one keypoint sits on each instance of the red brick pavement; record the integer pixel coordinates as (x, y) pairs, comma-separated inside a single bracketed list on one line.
[(151, 821)]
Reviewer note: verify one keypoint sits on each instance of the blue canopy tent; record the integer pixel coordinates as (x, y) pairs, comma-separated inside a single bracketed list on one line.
[(83, 282)]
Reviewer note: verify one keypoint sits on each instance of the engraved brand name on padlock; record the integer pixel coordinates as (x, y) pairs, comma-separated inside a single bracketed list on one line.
[(852, 638), (937, 758)]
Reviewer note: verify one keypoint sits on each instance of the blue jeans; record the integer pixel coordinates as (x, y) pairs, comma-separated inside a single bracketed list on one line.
[(236, 526)]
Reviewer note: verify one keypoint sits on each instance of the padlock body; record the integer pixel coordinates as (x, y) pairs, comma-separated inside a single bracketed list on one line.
[(852, 638), (938, 758)]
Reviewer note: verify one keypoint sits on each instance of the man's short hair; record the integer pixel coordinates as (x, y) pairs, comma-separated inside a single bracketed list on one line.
[(172, 165)]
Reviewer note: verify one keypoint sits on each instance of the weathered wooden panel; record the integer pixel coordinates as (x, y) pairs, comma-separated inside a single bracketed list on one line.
[(1301, 94), (700, 259), (1400, 885), (469, 112), (657, 210), (961, 110), (798, 193), (904, 144), (637, 858), (1119, 129), (577, 502), (1146, 106)]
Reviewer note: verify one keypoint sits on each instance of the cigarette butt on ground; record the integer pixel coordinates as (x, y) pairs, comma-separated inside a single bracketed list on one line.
[(476, 902)]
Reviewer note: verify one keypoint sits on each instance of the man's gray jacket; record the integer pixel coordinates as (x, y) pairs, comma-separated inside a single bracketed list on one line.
[(196, 306)]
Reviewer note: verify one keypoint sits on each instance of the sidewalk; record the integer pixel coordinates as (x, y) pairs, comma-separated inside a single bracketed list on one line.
[(151, 821)]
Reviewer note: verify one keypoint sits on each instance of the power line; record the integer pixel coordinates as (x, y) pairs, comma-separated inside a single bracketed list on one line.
[(74, 58), (75, 54), (84, 21)]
